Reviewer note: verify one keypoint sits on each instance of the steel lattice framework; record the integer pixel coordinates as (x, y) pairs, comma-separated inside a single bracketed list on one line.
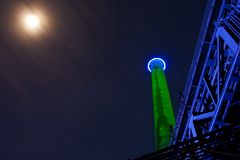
[(219, 144), (211, 98)]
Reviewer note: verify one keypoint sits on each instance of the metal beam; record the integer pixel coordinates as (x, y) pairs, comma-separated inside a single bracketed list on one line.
[(221, 31), (204, 116), (192, 128)]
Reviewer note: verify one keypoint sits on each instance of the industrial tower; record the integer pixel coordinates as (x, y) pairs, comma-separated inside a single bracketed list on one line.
[(164, 119)]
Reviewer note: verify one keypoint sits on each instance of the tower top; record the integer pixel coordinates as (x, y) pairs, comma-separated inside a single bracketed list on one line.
[(156, 62)]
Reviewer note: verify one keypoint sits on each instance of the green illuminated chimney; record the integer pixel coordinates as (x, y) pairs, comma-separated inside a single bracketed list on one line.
[(164, 119)]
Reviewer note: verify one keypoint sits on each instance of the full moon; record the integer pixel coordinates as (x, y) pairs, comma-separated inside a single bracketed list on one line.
[(32, 22)]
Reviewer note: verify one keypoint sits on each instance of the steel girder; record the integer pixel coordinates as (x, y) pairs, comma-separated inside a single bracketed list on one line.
[(219, 144), (213, 83)]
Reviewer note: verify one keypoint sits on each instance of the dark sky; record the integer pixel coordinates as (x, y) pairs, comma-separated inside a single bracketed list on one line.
[(79, 89)]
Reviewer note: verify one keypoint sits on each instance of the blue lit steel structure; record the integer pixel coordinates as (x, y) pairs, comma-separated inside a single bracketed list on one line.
[(218, 144), (211, 97)]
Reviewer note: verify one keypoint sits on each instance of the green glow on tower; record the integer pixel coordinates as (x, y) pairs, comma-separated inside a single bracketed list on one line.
[(164, 119)]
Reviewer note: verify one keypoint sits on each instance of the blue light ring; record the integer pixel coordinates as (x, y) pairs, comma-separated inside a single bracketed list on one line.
[(156, 59)]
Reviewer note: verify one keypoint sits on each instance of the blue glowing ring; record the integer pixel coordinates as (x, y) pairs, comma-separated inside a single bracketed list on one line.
[(154, 60)]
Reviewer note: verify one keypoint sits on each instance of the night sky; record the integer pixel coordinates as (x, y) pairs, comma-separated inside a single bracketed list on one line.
[(79, 89)]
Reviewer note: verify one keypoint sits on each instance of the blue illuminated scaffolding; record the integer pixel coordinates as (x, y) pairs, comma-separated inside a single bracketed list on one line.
[(212, 89)]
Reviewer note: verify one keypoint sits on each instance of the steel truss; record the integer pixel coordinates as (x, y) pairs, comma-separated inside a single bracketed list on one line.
[(211, 97), (218, 144)]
